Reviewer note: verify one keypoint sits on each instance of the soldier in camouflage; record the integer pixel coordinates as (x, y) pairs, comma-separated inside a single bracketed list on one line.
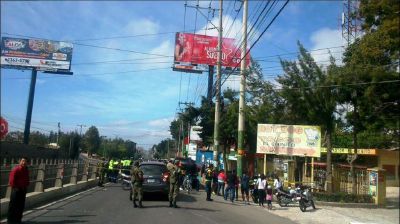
[(101, 172), (174, 173), (137, 183)]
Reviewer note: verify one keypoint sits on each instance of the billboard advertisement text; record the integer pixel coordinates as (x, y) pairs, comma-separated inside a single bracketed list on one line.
[(201, 49), (290, 140), (39, 54)]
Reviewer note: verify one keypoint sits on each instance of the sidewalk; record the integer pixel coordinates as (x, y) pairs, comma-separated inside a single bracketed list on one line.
[(336, 215)]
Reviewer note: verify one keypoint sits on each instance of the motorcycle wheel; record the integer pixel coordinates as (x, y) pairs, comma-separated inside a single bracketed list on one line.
[(281, 203), (302, 206), (312, 204)]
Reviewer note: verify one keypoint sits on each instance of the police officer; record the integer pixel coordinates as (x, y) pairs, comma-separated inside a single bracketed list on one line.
[(137, 183), (174, 173), (208, 177)]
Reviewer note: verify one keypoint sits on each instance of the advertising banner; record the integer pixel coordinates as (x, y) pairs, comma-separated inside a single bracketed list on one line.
[(350, 151), (40, 54), (289, 140), (201, 49)]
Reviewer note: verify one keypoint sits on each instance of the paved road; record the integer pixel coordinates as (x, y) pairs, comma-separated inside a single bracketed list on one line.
[(111, 205)]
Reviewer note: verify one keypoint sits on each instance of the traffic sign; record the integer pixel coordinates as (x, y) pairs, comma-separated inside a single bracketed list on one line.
[(3, 127)]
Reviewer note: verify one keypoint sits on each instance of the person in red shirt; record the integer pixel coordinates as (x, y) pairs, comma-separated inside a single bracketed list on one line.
[(221, 182), (19, 182)]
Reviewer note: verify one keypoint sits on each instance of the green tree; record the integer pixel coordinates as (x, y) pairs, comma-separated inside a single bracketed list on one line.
[(373, 60), (69, 144), (307, 101), (92, 140)]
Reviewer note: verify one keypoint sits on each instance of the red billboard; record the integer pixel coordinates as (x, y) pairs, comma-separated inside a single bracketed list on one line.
[(201, 49)]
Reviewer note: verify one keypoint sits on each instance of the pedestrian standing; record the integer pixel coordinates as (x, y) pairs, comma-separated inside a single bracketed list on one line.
[(221, 182), (137, 184), (101, 172), (269, 197), (262, 183), (277, 184), (174, 174), (207, 179), (230, 189), (244, 187), (19, 182), (236, 186)]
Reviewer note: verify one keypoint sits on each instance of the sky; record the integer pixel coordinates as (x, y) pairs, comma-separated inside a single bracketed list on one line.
[(122, 80)]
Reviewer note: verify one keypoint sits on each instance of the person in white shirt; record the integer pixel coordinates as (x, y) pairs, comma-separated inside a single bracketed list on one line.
[(277, 184), (261, 186)]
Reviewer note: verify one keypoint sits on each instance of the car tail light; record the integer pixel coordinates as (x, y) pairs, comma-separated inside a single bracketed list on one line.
[(165, 176)]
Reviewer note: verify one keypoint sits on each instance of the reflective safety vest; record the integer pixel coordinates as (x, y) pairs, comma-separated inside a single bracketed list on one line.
[(111, 165), (209, 175)]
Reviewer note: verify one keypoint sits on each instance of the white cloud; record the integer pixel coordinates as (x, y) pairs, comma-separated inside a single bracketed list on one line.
[(165, 48), (164, 122), (327, 38), (141, 26), (231, 29)]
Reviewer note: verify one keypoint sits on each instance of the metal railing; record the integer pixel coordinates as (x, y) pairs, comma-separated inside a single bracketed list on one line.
[(45, 174)]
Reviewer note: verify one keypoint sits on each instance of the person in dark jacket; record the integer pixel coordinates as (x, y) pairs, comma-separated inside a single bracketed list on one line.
[(19, 182)]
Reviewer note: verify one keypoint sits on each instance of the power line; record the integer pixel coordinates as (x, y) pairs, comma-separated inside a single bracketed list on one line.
[(100, 74), (247, 52), (100, 47), (333, 86)]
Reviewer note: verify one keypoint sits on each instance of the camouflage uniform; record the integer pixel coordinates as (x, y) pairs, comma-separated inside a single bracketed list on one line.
[(101, 173), (137, 183), (174, 173)]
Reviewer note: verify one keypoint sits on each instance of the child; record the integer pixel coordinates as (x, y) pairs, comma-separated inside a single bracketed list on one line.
[(269, 197)]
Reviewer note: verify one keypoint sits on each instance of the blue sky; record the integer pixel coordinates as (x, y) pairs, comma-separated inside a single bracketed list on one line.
[(138, 99)]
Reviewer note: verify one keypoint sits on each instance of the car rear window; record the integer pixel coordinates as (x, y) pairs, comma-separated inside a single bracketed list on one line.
[(153, 169)]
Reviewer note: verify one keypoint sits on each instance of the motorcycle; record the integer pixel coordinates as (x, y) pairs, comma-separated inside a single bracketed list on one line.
[(306, 200), (286, 198)]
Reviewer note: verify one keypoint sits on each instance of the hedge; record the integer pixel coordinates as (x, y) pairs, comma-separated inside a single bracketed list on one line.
[(342, 197)]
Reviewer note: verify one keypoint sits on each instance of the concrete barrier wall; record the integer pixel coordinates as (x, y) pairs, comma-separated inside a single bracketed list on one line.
[(37, 198)]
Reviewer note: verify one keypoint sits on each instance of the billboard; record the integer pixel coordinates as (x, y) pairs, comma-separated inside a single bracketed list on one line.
[(202, 49), (40, 54), (289, 140)]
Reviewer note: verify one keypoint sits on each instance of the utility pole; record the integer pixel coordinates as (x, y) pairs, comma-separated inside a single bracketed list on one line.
[(81, 125), (218, 88), (241, 150)]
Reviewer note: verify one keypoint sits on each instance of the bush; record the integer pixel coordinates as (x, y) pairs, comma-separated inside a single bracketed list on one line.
[(342, 197)]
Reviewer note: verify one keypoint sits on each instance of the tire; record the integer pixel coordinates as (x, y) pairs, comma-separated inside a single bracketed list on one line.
[(312, 204), (302, 206), (281, 203)]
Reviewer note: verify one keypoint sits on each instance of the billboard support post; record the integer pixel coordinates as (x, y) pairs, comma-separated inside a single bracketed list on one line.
[(210, 83), (30, 106)]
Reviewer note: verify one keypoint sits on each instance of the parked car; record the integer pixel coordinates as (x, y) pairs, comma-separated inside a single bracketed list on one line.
[(155, 176)]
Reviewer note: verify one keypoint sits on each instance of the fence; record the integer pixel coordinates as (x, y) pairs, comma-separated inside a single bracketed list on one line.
[(48, 173), (343, 180), (341, 176)]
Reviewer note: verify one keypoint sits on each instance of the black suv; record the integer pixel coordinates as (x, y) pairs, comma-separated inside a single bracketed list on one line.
[(155, 177)]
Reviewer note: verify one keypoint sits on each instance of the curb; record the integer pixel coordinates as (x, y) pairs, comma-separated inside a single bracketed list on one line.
[(348, 205)]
